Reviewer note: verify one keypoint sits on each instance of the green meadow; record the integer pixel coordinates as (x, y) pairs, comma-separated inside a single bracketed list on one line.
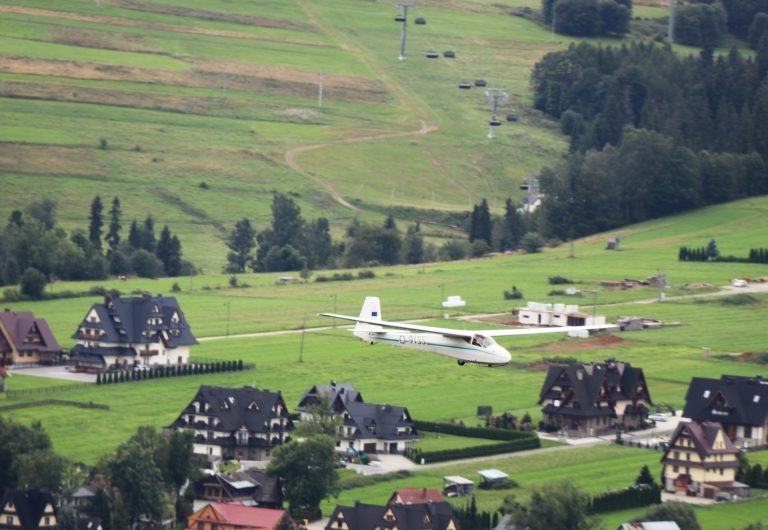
[(186, 93), (277, 328)]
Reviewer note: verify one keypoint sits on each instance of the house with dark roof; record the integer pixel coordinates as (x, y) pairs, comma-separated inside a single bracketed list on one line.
[(26, 339), (241, 423), (337, 395), (739, 404), (422, 516), (366, 427), (594, 398), (28, 510), (235, 516), (125, 332), (701, 461), (250, 487)]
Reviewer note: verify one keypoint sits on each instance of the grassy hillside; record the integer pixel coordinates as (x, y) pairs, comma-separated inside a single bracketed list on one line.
[(149, 101)]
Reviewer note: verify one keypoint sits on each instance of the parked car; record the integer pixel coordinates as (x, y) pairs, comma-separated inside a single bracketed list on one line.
[(657, 416)]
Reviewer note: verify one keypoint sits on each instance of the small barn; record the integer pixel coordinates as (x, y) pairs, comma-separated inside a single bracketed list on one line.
[(456, 486), (540, 314)]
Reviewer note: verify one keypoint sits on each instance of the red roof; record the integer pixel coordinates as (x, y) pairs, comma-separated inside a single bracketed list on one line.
[(417, 496), (238, 515)]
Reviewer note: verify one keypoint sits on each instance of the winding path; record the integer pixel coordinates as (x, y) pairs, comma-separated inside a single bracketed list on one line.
[(410, 108)]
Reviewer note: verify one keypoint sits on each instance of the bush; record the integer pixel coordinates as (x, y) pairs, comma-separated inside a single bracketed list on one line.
[(33, 283)]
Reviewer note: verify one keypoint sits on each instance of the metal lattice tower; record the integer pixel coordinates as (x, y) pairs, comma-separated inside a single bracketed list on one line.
[(494, 96), (404, 7)]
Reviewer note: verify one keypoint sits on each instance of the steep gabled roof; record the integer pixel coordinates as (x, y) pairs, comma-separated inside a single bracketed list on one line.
[(428, 516), (240, 515), (729, 400), (265, 489), (596, 387), (139, 320), (337, 394), (26, 333), (236, 408), (379, 421), (30, 506), (704, 437)]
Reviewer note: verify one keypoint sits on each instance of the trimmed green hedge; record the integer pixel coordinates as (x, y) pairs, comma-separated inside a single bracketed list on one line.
[(472, 432), (513, 441), (628, 498)]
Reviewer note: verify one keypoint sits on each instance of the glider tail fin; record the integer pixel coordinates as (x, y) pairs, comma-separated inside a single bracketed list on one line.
[(371, 310)]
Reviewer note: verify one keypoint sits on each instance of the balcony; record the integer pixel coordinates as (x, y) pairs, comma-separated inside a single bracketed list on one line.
[(89, 335)]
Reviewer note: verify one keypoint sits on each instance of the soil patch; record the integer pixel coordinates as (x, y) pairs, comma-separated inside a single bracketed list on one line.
[(593, 343), (220, 75)]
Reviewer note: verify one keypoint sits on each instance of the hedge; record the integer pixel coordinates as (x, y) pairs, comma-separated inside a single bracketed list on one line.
[(472, 432)]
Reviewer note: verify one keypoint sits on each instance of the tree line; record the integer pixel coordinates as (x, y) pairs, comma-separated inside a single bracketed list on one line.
[(701, 23), (35, 250), (291, 243), (652, 134)]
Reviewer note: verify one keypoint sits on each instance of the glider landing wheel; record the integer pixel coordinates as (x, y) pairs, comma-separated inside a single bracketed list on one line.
[(461, 363)]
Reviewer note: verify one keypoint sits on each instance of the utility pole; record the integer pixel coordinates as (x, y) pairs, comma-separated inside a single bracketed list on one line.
[(320, 90), (404, 17)]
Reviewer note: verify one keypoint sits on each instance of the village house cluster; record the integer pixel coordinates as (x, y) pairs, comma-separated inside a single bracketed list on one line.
[(722, 418)]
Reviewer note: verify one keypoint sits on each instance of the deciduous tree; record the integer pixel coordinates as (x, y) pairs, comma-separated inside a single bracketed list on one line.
[(241, 243), (552, 505), (308, 471)]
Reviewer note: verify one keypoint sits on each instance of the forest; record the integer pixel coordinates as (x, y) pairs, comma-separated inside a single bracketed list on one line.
[(651, 133)]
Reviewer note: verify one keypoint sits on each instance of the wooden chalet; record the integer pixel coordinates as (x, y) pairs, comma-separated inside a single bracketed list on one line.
[(26, 339), (739, 404), (241, 423), (126, 332), (594, 399), (28, 510), (235, 516), (701, 461), (366, 427), (422, 516), (250, 487)]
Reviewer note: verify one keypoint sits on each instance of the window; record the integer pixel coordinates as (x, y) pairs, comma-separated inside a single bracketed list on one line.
[(200, 525)]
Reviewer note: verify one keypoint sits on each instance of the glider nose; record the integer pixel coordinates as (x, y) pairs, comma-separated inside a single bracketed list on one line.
[(503, 355)]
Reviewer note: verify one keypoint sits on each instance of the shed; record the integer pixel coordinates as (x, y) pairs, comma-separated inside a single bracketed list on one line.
[(456, 486), (493, 476)]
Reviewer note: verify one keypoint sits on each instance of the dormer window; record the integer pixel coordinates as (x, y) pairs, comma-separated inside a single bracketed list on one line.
[(253, 406)]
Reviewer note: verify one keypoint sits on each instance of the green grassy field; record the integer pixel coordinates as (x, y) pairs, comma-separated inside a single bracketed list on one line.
[(431, 387)]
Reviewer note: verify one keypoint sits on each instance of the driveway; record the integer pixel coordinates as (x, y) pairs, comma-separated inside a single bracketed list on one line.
[(54, 372)]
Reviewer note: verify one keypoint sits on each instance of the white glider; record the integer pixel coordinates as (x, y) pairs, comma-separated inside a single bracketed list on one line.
[(465, 346)]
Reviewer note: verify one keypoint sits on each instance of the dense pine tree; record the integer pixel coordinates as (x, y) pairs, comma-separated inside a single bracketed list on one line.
[(96, 223)]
